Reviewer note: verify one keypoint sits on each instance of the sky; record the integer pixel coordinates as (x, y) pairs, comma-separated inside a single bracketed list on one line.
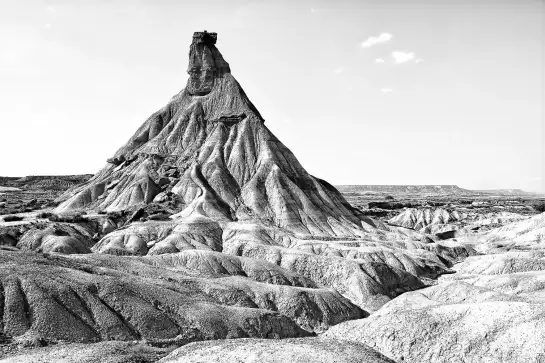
[(363, 92)]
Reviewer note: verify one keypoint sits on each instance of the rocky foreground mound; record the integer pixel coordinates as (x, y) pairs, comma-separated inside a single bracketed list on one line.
[(300, 350), (194, 295), (490, 310)]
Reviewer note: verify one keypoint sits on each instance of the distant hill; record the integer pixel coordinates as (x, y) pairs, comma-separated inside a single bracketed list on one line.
[(406, 189), (44, 182), (507, 192)]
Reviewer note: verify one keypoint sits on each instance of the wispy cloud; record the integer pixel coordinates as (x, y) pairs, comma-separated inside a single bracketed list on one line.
[(338, 70), (379, 60), (381, 38), (386, 90), (404, 57)]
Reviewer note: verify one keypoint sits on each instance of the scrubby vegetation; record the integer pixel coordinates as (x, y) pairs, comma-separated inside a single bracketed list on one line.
[(69, 218), (539, 206), (44, 215), (12, 218), (116, 214)]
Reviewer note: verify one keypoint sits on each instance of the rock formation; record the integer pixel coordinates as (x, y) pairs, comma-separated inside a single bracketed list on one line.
[(419, 218), (205, 226), (233, 187), (209, 148), (301, 350), (491, 310), (194, 296), (107, 352)]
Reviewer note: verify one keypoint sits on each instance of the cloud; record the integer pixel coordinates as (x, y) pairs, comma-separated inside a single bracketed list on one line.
[(382, 38), (338, 70), (403, 57), (379, 60), (386, 90)]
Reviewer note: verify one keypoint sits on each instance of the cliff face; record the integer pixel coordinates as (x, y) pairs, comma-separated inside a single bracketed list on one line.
[(209, 147), (205, 64)]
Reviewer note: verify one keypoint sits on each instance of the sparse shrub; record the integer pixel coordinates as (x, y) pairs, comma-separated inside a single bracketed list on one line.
[(116, 215), (4, 339), (44, 215), (69, 218), (431, 203), (12, 218), (384, 205), (539, 206), (375, 212)]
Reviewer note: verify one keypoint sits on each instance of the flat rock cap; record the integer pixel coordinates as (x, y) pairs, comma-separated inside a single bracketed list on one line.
[(205, 37)]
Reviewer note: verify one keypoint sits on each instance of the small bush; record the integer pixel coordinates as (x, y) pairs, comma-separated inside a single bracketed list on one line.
[(387, 205), (69, 218), (539, 206), (44, 215), (116, 214), (389, 197), (12, 218)]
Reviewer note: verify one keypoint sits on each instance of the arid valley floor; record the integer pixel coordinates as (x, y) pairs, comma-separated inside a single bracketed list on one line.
[(203, 239), (456, 272)]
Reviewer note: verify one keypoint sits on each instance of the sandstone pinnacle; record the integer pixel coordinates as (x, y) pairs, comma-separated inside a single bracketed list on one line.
[(209, 149)]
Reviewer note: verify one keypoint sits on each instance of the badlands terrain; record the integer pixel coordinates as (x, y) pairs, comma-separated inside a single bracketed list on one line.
[(203, 239)]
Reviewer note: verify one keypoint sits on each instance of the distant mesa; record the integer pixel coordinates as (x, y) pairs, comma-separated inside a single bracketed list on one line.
[(428, 189), (408, 189), (514, 192)]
